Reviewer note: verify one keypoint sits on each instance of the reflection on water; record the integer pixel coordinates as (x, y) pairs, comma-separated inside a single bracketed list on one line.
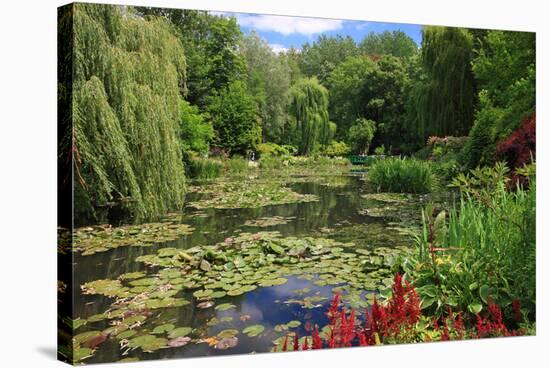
[(339, 214)]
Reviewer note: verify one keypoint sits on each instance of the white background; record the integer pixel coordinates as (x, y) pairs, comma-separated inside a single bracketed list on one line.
[(28, 182)]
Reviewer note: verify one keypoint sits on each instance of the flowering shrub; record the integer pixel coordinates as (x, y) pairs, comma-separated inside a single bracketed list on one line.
[(399, 320), (518, 147)]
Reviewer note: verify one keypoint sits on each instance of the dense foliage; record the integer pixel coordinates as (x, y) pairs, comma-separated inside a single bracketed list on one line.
[(483, 252), (309, 125), (505, 70), (235, 120), (402, 175), (370, 88), (129, 74), (361, 134), (168, 86), (444, 95), (395, 43), (268, 81)]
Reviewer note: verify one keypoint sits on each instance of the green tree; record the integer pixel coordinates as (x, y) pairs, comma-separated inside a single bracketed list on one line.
[(293, 58), (444, 97), (360, 135), (235, 119), (395, 43), (321, 57), (268, 81), (212, 44), (129, 75), (196, 131), (308, 114), (370, 88), (505, 70)]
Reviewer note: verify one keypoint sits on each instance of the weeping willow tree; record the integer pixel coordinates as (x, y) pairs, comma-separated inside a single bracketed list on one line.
[(443, 100), (309, 114), (129, 74)]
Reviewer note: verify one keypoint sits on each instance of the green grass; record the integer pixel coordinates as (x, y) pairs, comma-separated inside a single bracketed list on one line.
[(237, 165), (402, 175), (202, 168)]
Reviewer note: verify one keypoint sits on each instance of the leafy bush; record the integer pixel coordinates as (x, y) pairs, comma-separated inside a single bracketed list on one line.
[(203, 168), (336, 149), (195, 132), (403, 175), (380, 150), (486, 251), (519, 147), (360, 135), (448, 168), (272, 149), (480, 148), (234, 115)]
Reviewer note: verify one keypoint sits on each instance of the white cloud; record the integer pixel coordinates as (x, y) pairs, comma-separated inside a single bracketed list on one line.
[(278, 48), (289, 25), (361, 25)]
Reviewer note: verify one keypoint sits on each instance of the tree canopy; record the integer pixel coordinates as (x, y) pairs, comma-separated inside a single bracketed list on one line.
[(395, 43), (309, 114), (234, 116), (268, 82), (129, 74), (444, 96)]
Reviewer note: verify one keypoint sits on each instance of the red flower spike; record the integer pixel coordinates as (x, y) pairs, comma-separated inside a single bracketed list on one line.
[(285, 343)]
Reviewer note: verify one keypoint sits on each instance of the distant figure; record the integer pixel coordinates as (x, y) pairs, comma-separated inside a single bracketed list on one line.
[(252, 156)]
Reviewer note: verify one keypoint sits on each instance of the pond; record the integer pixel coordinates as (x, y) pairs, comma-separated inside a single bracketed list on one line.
[(247, 262)]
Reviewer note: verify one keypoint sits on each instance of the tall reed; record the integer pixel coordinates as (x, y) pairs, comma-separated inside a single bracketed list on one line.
[(403, 175)]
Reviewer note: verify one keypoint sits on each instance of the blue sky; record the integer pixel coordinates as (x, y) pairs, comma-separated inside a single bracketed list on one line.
[(284, 32)]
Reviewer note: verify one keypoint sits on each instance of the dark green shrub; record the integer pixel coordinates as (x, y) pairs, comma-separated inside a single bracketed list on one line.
[(336, 149), (403, 175), (272, 149)]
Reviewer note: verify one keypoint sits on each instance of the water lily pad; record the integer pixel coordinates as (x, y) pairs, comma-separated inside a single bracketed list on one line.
[(131, 275), (85, 336), (77, 323), (159, 330), (203, 293), (97, 317), (253, 330), (293, 324), (135, 319), (126, 334), (224, 307), (235, 292), (273, 282), (147, 343), (227, 342), (179, 332), (110, 288), (227, 333), (218, 294)]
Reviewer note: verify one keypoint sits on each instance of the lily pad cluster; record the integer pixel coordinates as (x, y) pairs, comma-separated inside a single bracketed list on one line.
[(269, 221), (230, 268), (93, 239), (248, 194)]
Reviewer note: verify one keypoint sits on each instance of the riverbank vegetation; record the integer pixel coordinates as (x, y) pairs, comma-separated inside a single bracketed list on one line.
[(189, 135), (220, 93)]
